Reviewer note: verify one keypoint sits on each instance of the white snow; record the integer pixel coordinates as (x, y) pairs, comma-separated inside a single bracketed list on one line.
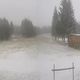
[(75, 34), (33, 59)]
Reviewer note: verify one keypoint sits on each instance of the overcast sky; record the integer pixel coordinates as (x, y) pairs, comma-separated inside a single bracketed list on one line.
[(39, 11)]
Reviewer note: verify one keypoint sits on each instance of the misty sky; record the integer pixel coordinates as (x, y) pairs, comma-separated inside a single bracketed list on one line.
[(39, 11)]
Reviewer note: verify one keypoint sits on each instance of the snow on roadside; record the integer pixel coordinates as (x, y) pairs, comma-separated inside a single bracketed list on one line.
[(33, 59)]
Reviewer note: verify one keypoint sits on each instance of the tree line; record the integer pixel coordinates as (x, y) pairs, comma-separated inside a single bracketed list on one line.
[(8, 30), (26, 29), (63, 23)]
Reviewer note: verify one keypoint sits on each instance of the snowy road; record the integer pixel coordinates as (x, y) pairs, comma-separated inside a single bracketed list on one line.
[(33, 59)]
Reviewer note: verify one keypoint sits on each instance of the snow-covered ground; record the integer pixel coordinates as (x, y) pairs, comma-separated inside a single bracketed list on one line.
[(33, 59)]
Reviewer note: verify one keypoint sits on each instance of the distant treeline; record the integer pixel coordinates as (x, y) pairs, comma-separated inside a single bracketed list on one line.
[(26, 29), (63, 24)]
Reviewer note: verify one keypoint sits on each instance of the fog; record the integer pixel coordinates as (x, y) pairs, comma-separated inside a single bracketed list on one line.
[(39, 11)]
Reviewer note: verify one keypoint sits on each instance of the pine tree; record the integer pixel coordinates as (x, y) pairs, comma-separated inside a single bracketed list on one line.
[(54, 22), (67, 18), (5, 29), (27, 28)]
